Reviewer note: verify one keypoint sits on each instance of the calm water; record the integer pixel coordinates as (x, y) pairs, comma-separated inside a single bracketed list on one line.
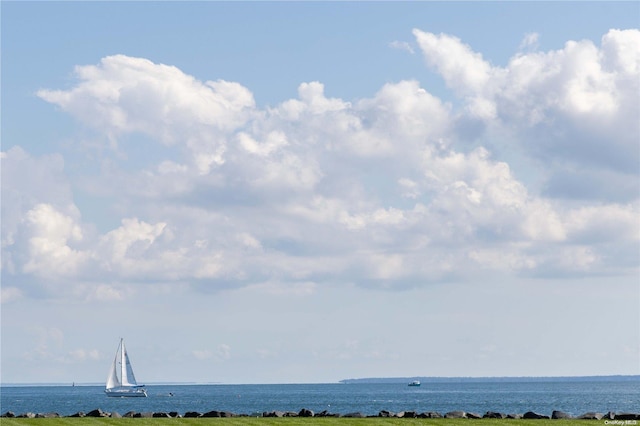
[(514, 397)]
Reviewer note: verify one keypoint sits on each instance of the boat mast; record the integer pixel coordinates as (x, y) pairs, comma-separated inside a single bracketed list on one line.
[(123, 364)]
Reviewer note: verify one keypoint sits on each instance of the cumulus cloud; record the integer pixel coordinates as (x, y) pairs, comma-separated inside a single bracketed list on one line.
[(26, 183), (49, 236), (575, 107), (124, 94), (463, 69), (386, 191)]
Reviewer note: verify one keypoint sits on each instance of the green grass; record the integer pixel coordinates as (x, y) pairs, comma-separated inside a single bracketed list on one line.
[(287, 421)]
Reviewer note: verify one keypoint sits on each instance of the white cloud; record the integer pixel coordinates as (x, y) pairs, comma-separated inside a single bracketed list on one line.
[(106, 292), (612, 221), (405, 114), (463, 69), (530, 41), (380, 192), (27, 182), (576, 107), (620, 51), (129, 94), (402, 45), (202, 354), (293, 289), (222, 353), (124, 95), (47, 341), (273, 142), (49, 235), (132, 240), (80, 355), (9, 294)]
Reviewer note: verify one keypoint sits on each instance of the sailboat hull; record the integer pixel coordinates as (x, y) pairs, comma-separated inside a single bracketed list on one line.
[(127, 393)]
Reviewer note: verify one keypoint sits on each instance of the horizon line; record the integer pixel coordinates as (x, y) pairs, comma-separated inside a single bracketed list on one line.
[(341, 381)]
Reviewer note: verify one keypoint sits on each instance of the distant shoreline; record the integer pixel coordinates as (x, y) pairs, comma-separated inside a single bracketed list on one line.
[(505, 379), (382, 380)]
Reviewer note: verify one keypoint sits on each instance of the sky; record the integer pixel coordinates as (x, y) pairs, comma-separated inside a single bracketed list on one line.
[(305, 192)]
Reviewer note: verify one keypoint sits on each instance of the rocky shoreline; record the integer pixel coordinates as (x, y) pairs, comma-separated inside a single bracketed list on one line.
[(628, 418)]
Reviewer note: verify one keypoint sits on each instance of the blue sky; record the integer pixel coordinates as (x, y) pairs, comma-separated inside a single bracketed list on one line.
[(306, 192)]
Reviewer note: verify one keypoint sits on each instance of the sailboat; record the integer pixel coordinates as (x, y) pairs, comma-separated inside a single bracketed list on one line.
[(121, 381)]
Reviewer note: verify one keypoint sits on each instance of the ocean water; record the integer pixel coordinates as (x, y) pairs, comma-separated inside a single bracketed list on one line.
[(368, 398)]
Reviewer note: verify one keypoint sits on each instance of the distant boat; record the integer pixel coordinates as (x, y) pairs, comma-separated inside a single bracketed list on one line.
[(121, 381), (415, 383)]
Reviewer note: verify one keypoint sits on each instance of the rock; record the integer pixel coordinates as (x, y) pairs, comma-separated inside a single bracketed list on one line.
[(356, 415), (494, 415), (473, 416), (455, 415), (385, 413), (410, 415), (591, 416), (273, 414), (532, 415), (8, 414), (325, 413), (430, 415), (174, 414), (215, 413), (560, 415), (161, 414), (192, 414), (47, 415), (290, 414), (305, 413), (627, 416), (514, 416), (129, 414), (610, 416), (28, 415), (115, 415), (78, 414), (97, 413)]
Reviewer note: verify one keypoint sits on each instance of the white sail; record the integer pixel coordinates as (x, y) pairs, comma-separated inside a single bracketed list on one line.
[(121, 380), (128, 378), (113, 381), (131, 378)]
